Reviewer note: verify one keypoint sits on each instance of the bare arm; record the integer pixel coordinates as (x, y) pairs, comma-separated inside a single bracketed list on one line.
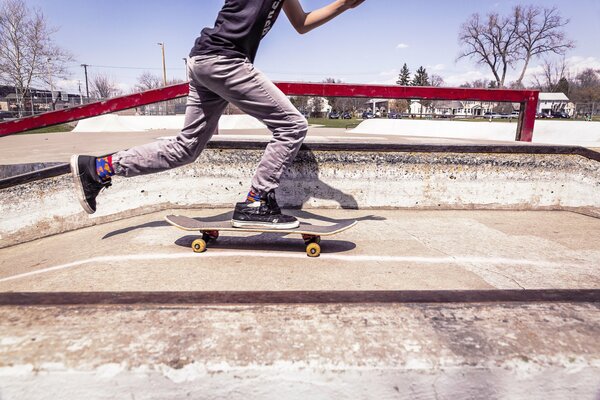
[(305, 22)]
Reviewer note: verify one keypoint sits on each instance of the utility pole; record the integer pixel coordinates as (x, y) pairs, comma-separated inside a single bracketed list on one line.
[(87, 87), (187, 73), (51, 85), (80, 95), (162, 45)]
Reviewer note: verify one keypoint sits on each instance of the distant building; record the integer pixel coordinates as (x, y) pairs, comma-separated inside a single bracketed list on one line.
[(37, 101), (552, 102)]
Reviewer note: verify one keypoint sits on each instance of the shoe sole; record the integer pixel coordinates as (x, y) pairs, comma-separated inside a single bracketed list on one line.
[(78, 186), (258, 225)]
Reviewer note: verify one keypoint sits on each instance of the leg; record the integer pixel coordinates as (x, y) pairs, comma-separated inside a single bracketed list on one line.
[(203, 111), (237, 81)]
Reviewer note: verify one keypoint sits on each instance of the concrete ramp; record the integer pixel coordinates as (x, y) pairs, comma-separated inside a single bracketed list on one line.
[(129, 123), (578, 133), (326, 176)]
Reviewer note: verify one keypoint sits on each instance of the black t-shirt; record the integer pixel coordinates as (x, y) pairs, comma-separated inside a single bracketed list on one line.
[(240, 26)]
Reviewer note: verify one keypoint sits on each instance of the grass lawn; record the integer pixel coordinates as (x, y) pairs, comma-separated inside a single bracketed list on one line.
[(335, 123), (50, 129)]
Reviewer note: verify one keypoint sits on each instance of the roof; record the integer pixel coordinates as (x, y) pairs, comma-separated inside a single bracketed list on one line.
[(553, 97)]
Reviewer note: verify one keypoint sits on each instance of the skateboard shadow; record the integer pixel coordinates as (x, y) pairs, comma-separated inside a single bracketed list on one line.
[(268, 242), (159, 224), (153, 224)]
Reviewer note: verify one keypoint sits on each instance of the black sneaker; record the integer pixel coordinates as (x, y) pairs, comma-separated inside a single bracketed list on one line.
[(262, 214), (87, 182)]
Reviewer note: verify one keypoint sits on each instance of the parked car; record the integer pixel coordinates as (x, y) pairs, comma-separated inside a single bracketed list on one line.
[(543, 115), (346, 115), (560, 114), (492, 115), (394, 115), (367, 115), (6, 115), (334, 115)]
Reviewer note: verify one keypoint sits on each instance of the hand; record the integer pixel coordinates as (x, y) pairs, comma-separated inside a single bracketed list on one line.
[(352, 3)]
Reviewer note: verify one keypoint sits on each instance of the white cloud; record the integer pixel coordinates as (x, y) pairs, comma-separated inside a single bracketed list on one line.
[(467, 76), (69, 85), (575, 65), (402, 46), (437, 67), (389, 72)]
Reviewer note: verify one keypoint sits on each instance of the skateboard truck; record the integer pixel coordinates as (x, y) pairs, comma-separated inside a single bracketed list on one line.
[(313, 248)]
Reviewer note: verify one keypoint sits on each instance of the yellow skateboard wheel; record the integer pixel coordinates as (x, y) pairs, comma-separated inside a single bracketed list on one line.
[(313, 250), (199, 246)]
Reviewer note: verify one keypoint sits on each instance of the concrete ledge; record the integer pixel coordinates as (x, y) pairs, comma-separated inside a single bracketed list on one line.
[(362, 178), (300, 297), (385, 351)]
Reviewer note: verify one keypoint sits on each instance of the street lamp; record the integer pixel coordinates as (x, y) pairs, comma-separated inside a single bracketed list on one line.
[(162, 45), (187, 73)]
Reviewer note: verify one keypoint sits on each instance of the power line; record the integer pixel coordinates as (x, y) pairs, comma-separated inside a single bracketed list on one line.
[(268, 71)]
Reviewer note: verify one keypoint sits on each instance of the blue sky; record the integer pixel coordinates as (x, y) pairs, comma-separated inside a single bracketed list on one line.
[(366, 45)]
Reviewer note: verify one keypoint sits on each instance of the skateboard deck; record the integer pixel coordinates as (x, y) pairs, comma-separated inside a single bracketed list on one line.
[(210, 231)]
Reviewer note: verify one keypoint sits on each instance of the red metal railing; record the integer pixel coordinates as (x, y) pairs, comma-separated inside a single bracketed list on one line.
[(526, 98)]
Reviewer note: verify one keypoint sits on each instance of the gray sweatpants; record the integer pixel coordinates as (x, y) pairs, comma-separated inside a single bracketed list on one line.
[(215, 81)]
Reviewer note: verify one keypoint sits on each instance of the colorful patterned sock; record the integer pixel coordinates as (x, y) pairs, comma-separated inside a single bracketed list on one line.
[(104, 168), (252, 196)]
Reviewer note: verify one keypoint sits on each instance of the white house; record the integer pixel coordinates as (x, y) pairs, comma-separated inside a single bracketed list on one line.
[(550, 102)]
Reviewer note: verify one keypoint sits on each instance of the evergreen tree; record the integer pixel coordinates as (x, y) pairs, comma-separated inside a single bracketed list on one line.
[(404, 77), (421, 78), (563, 86)]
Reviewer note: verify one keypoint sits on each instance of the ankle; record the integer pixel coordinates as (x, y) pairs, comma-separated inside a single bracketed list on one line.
[(104, 168), (253, 196)]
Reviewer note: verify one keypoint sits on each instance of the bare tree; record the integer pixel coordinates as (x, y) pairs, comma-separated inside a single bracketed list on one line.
[(587, 86), (503, 42), (148, 81), (103, 87), (436, 80), (28, 55), (334, 102), (492, 42), (552, 73), (478, 83), (300, 102), (540, 32)]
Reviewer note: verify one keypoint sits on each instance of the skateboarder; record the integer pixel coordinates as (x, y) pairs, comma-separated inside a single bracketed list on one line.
[(222, 71)]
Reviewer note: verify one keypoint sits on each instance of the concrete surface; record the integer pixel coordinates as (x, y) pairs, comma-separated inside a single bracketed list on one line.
[(388, 250), (581, 133), (519, 350), (419, 351), (384, 351)]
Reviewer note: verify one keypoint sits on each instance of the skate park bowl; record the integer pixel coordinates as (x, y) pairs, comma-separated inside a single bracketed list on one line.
[(473, 271)]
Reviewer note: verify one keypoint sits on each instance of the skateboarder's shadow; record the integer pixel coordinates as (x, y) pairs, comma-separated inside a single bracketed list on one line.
[(302, 185)]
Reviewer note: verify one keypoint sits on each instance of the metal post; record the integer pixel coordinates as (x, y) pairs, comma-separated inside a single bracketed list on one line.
[(162, 45), (87, 87)]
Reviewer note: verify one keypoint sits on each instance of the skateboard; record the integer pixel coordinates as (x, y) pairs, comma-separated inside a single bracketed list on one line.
[(210, 232)]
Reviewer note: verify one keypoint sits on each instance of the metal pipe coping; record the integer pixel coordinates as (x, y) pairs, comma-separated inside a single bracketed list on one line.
[(528, 100)]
